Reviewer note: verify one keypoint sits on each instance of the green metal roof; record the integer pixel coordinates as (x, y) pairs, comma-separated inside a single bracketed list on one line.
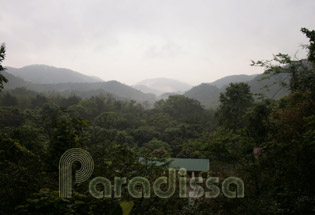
[(189, 164)]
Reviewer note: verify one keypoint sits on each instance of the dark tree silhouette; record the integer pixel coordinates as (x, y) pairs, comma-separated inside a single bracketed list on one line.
[(2, 56)]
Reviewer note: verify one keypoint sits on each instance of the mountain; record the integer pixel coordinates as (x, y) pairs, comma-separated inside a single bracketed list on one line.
[(67, 82), (146, 89), (43, 74), (270, 86), (164, 85), (232, 79), (114, 88), (208, 93), (91, 89), (14, 81)]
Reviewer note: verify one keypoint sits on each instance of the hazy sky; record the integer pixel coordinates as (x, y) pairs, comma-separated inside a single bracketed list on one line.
[(130, 40)]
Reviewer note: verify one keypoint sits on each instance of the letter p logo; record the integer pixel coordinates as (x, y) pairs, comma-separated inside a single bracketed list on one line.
[(65, 170)]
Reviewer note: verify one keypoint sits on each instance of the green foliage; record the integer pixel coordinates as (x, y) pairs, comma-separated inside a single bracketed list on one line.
[(111, 120), (11, 116), (2, 57), (157, 149), (301, 72), (19, 167), (8, 100), (234, 104), (181, 108), (258, 120), (47, 200), (311, 47), (39, 100)]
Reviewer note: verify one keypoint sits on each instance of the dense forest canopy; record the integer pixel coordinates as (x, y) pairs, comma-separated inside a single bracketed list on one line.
[(269, 144)]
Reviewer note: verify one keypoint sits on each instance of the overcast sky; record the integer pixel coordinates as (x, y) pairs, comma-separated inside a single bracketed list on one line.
[(130, 40)]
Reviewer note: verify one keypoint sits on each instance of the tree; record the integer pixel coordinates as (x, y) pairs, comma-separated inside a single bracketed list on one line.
[(234, 104), (311, 47), (157, 148), (182, 109), (258, 120), (2, 56), (111, 120), (301, 72), (284, 168), (9, 100), (39, 100)]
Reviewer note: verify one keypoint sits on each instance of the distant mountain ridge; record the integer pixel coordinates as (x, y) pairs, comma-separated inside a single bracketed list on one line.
[(43, 74), (163, 85), (232, 79), (109, 87), (146, 91), (91, 87), (208, 93)]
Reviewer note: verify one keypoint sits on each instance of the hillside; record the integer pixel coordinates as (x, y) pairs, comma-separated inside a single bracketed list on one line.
[(110, 87), (146, 89), (269, 87), (164, 85), (232, 79), (43, 74), (84, 90), (14, 81), (208, 94)]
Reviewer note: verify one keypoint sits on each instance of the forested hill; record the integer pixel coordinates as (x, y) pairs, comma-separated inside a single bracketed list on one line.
[(208, 93), (84, 90), (159, 86), (42, 78), (232, 79), (14, 81), (43, 74)]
